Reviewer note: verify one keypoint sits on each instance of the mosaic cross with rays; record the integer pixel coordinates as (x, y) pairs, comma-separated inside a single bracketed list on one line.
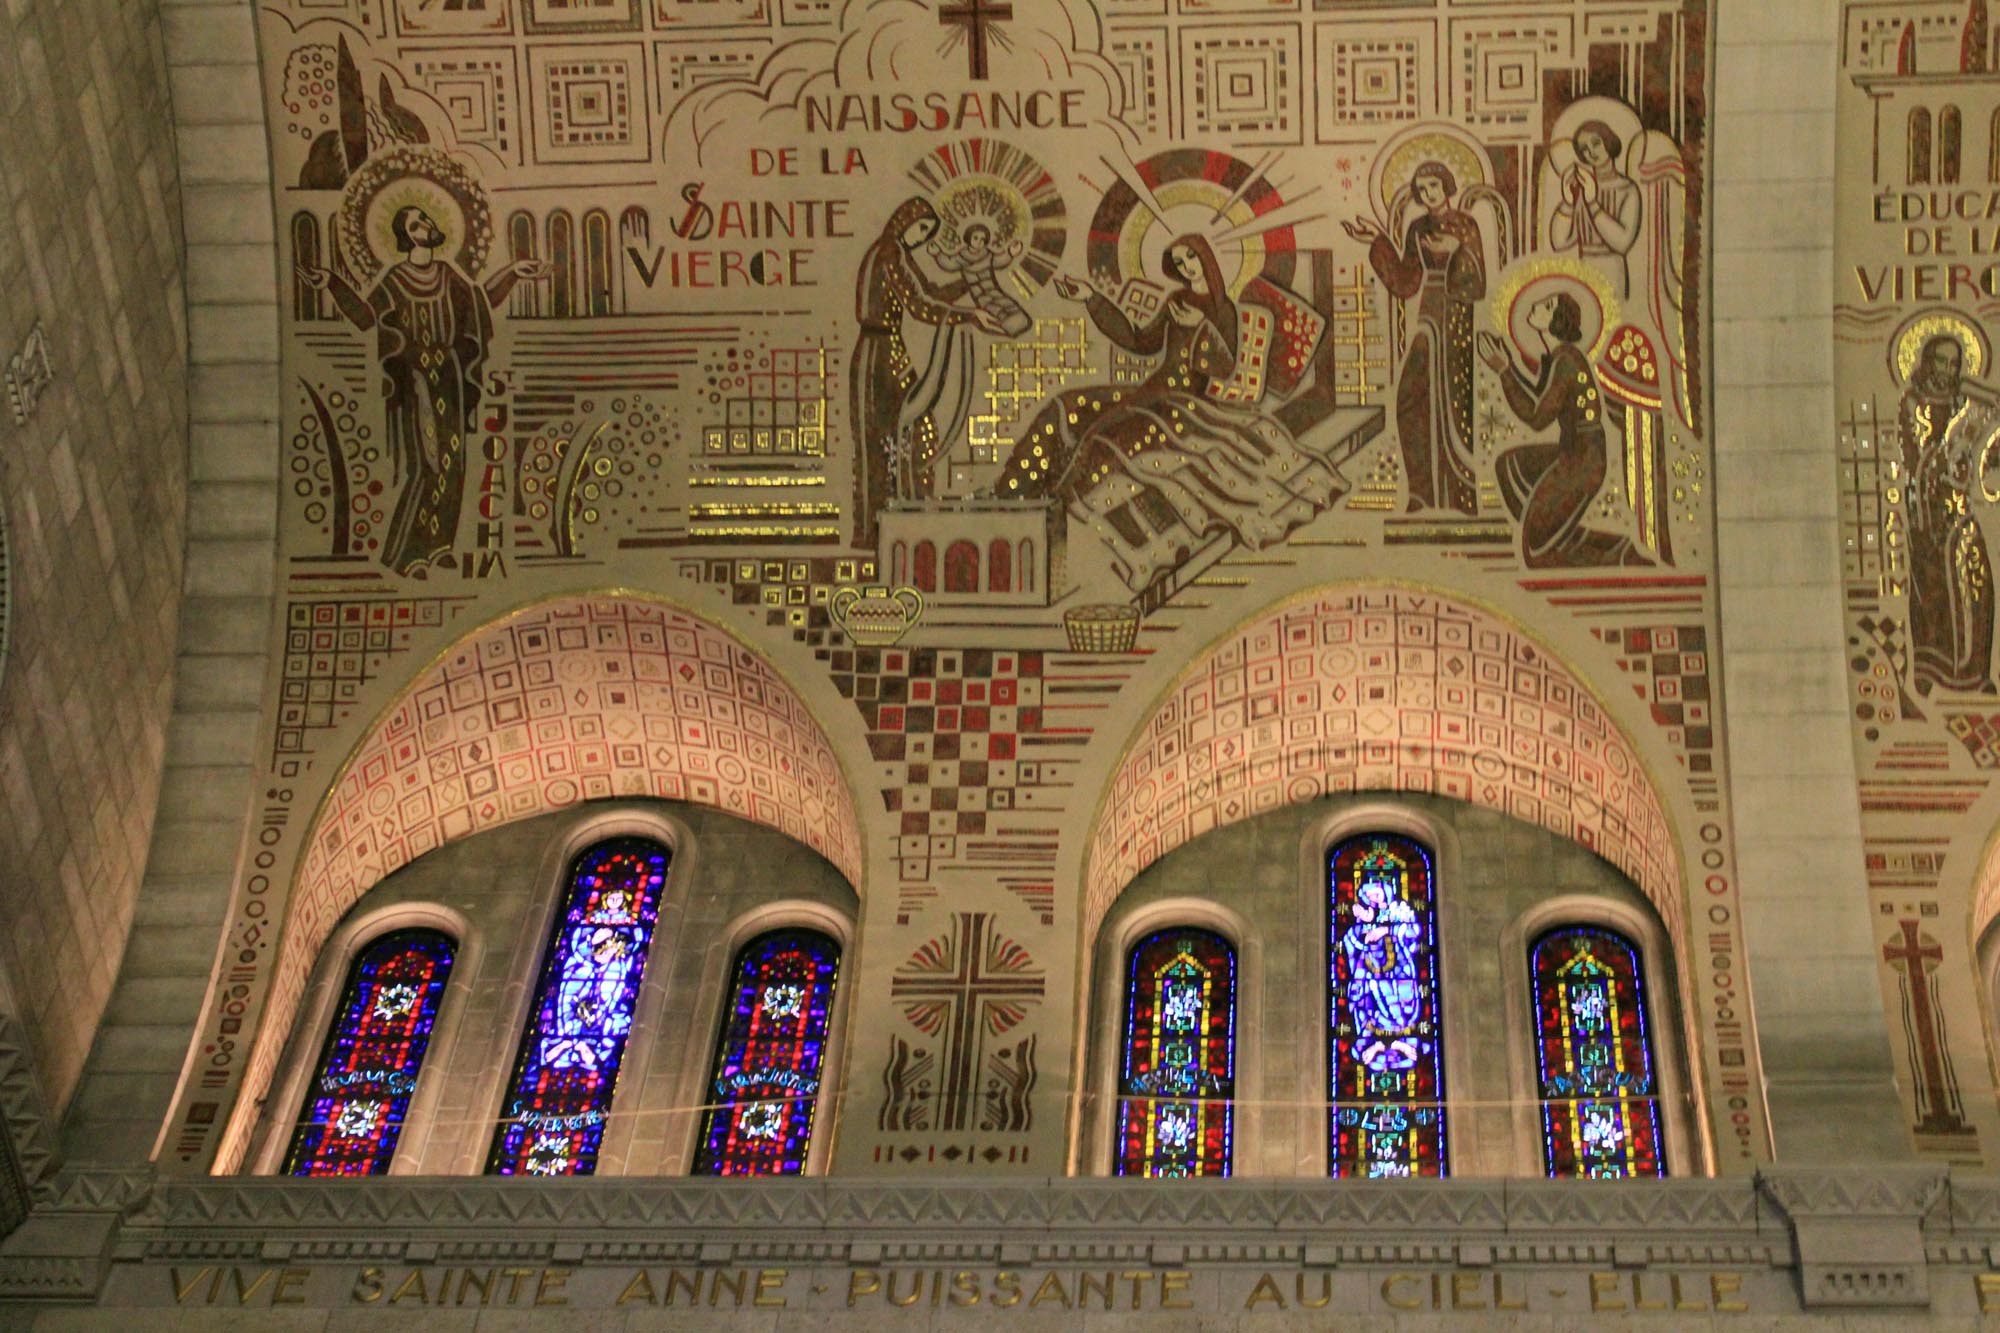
[(973, 16)]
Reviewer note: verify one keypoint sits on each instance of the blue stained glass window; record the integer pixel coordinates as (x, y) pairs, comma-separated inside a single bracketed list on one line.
[(1385, 1043), (552, 1123), (367, 1071), (767, 1061), (1600, 1103), (1176, 1113)]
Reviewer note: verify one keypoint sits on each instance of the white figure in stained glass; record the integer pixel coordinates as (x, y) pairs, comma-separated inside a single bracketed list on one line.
[(590, 998), (1383, 991)]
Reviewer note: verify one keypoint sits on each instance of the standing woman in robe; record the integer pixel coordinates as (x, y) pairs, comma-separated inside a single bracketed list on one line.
[(888, 289), (1442, 263), (1548, 488)]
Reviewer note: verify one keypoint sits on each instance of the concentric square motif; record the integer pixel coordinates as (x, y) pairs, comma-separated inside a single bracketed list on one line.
[(1242, 82), (589, 104)]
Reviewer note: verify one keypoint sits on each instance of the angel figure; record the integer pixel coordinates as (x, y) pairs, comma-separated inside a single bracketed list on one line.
[(1441, 265)]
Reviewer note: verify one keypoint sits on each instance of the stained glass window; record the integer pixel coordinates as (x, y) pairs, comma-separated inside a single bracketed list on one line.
[(552, 1123), (1175, 1113), (1385, 1042), (767, 1062), (1600, 1103), (361, 1088)]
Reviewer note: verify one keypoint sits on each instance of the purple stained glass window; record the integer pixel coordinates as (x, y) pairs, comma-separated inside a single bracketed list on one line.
[(1176, 1114), (767, 1062), (1600, 1103), (1385, 1042), (552, 1123), (354, 1109)]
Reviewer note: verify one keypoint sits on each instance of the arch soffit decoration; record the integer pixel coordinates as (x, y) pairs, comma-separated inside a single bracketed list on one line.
[(1382, 690), (567, 701)]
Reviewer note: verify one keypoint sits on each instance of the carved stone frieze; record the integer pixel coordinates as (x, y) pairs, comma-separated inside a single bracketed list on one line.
[(1859, 1235), (1850, 1239)]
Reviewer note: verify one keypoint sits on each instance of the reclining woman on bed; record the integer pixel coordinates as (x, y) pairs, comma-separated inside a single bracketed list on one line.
[(1156, 467)]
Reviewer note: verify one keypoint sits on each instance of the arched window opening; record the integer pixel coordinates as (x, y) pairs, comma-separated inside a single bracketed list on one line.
[(899, 561), (766, 1077), (961, 567), (527, 298), (1951, 132), (567, 1070), (1027, 563), (1993, 149), (1000, 565), (1385, 1046), (367, 1072), (562, 265), (1919, 164), (923, 567), (1177, 1081), (1598, 1086), (597, 289), (305, 255)]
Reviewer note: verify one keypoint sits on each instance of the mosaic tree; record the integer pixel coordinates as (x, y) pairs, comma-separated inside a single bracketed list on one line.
[(1385, 1048), (567, 1070), (1176, 1113), (367, 1072), (766, 1075), (1599, 1094)]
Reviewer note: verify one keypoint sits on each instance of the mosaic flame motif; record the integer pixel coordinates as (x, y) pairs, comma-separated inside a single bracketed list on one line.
[(361, 1090), (1386, 1049), (567, 1071), (1175, 1113), (767, 1061), (1600, 1103)]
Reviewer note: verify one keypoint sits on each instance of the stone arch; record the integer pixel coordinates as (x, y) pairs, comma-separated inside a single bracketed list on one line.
[(1385, 690), (567, 701)]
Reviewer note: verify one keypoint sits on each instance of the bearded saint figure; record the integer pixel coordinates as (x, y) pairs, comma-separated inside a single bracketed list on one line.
[(1944, 426), (433, 327)]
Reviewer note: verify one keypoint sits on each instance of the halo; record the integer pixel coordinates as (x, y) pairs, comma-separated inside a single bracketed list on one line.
[(1189, 207), (407, 175), (985, 199), (379, 225), (1909, 341), (973, 178), (1562, 134), (1192, 191), (1526, 283), (1447, 145)]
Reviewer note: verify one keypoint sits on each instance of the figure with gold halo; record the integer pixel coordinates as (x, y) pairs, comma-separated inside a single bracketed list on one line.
[(1548, 488), (1441, 263), (1946, 429), (1156, 467), (433, 327)]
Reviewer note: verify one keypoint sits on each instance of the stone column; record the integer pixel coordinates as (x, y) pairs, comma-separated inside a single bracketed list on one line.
[(1829, 1076)]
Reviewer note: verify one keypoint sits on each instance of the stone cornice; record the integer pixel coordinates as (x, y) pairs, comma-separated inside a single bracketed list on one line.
[(1854, 1238)]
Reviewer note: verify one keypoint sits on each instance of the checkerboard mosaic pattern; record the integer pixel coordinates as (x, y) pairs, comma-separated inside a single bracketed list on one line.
[(333, 649), (1669, 665), (1382, 691)]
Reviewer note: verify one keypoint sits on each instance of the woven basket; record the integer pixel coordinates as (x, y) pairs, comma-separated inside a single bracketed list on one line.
[(1104, 628)]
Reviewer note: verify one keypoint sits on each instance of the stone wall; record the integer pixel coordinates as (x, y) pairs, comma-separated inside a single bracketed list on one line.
[(727, 879), (1494, 874), (232, 480), (93, 481)]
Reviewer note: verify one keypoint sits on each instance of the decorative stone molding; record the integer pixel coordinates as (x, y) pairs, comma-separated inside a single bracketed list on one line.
[(1859, 1235), (1879, 1238), (27, 1148)]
